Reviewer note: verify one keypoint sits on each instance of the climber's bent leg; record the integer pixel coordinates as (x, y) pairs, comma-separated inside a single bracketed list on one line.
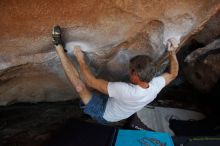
[(73, 75)]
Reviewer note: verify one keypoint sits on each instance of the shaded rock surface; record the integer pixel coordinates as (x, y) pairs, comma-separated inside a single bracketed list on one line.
[(203, 66), (210, 32), (110, 32), (33, 124)]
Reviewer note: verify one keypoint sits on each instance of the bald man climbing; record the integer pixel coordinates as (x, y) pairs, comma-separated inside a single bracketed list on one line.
[(116, 101)]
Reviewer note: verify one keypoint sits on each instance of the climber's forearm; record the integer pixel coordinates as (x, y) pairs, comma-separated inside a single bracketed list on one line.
[(174, 68), (174, 65), (87, 74), (91, 80)]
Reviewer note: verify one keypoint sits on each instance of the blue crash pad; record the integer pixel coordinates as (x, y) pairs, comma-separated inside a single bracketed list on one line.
[(143, 138)]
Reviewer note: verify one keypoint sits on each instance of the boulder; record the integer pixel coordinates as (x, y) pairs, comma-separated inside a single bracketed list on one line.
[(203, 66), (110, 32)]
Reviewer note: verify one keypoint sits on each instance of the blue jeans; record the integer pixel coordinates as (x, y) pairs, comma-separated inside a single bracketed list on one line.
[(96, 107)]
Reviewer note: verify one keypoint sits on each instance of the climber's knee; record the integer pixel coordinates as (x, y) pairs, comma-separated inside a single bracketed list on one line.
[(83, 92)]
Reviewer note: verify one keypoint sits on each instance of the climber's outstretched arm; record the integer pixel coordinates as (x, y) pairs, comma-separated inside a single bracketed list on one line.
[(98, 84), (174, 65)]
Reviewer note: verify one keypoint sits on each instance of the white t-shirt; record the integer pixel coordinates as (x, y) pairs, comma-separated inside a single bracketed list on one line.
[(125, 98)]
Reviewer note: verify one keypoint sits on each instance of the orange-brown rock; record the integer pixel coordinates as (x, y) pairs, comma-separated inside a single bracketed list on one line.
[(111, 32)]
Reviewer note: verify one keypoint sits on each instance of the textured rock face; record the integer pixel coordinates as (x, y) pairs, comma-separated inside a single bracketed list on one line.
[(111, 32), (203, 67)]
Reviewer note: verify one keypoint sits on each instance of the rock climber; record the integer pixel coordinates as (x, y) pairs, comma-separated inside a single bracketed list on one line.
[(115, 101)]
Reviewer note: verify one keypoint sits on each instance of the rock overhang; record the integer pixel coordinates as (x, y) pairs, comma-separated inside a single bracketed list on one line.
[(111, 32)]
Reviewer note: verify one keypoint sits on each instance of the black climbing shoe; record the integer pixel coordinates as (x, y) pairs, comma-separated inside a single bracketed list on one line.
[(56, 35)]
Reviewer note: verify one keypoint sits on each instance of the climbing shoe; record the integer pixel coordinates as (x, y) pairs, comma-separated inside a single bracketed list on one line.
[(56, 35)]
